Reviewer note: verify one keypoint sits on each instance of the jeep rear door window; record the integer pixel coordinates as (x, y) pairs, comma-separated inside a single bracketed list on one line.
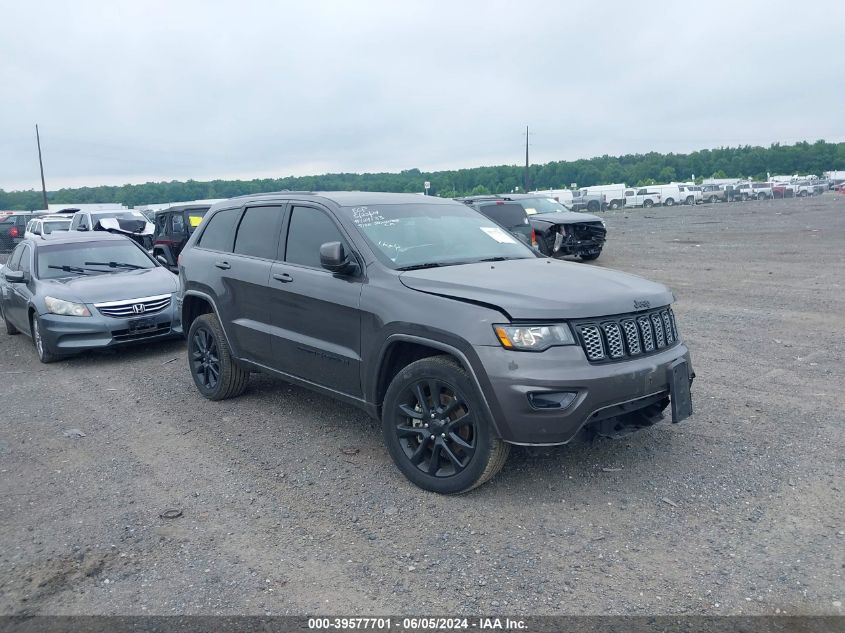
[(219, 235), (308, 230), (195, 217), (258, 232), (428, 235)]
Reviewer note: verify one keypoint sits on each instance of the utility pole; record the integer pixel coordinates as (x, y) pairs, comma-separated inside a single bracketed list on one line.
[(41, 165), (525, 182)]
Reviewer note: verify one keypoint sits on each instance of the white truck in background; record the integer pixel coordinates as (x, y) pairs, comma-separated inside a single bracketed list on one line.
[(642, 197), (669, 194), (614, 195)]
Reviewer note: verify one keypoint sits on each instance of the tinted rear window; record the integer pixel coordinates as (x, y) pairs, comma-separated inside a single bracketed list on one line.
[(220, 232), (258, 233), (508, 215)]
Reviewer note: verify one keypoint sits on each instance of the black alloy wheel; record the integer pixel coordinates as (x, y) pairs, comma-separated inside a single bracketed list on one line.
[(205, 360), (215, 372), (436, 430)]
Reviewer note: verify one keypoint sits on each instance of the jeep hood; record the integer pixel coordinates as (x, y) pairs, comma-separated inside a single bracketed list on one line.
[(565, 217), (541, 288), (117, 286)]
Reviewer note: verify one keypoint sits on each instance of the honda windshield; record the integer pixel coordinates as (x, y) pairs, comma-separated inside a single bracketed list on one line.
[(405, 236), (57, 260)]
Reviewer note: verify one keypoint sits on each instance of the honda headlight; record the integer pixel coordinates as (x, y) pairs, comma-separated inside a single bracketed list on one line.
[(534, 338), (65, 308)]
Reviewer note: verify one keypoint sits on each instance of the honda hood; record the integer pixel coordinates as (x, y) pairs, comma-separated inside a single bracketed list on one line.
[(565, 217), (541, 288), (118, 286)]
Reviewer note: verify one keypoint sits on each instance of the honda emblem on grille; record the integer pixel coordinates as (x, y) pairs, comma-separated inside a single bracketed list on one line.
[(139, 308)]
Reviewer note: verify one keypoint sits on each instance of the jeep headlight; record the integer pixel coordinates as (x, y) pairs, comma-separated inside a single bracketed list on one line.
[(66, 308), (534, 337)]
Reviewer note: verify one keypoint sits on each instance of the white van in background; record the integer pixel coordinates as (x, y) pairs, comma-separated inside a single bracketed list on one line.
[(614, 195), (669, 194), (564, 196)]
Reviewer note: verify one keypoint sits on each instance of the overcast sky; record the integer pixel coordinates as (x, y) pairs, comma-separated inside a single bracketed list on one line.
[(126, 92)]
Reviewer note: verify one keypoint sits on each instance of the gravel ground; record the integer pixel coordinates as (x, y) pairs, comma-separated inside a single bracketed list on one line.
[(290, 503)]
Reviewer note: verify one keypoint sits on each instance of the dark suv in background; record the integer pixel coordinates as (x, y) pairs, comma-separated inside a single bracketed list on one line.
[(421, 311), (12, 228), (173, 227)]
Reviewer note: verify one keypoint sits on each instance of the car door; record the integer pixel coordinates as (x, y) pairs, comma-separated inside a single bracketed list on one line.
[(630, 198), (238, 247), (315, 314), (7, 292), (19, 294)]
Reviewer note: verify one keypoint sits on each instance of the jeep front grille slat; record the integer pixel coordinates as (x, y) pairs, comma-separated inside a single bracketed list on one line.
[(628, 335), (645, 331), (632, 337), (593, 345), (613, 336)]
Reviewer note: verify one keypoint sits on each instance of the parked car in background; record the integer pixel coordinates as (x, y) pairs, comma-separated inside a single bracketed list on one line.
[(509, 215), (713, 193), (173, 227), (425, 314), (803, 188), (78, 291), (561, 232), (12, 228), (612, 196), (691, 194), (642, 197), (593, 202), (670, 195), (46, 224), (133, 224), (762, 190), (783, 190)]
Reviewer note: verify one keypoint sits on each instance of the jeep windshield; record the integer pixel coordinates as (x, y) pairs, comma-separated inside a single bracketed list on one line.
[(405, 236), (57, 260)]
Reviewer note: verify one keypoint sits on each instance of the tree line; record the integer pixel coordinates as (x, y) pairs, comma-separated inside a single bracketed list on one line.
[(634, 169)]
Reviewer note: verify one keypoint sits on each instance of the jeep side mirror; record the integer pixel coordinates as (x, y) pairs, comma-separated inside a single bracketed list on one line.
[(14, 276), (333, 257)]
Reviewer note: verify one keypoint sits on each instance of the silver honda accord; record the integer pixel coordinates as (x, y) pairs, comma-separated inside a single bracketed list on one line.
[(76, 291)]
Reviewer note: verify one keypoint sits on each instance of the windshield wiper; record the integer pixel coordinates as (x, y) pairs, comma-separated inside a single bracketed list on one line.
[(423, 265), (114, 265), (498, 258), (71, 269)]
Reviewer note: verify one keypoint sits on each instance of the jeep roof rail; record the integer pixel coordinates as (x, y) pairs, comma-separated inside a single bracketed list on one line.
[(270, 193)]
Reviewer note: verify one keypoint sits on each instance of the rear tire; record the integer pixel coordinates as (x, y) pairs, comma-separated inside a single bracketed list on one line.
[(214, 370), (712, 199), (436, 429), (614, 204), (593, 206), (691, 201), (590, 258)]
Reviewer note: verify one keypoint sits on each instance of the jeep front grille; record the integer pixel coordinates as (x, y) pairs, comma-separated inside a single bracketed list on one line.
[(627, 335)]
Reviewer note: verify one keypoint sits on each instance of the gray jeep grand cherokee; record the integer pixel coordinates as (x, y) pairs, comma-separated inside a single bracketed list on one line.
[(433, 319)]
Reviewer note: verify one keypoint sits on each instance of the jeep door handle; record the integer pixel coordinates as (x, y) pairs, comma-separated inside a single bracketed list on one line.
[(283, 277), (223, 265)]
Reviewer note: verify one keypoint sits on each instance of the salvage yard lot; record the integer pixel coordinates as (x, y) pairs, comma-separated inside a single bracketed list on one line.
[(290, 503)]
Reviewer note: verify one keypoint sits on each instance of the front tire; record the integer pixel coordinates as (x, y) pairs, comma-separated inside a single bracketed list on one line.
[(437, 430), (712, 199), (593, 206), (10, 329), (648, 204), (214, 370), (670, 202), (591, 257), (614, 204), (45, 355)]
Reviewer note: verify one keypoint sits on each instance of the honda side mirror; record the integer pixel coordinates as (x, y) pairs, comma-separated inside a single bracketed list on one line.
[(14, 276), (333, 257)]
